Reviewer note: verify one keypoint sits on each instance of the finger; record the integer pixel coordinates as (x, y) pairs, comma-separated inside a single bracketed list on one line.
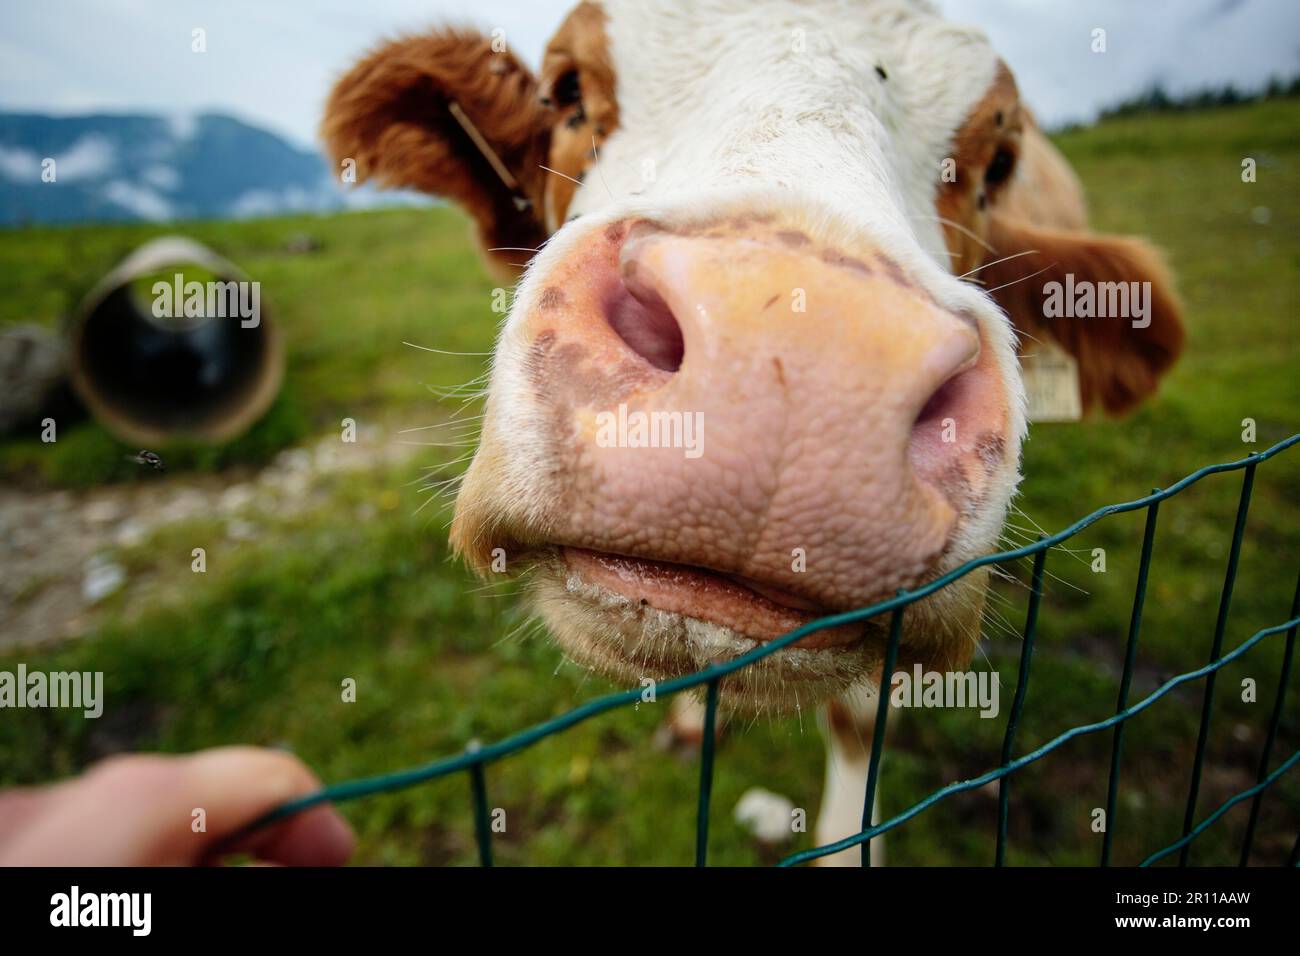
[(315, 837), (18, 807), (155, 810)]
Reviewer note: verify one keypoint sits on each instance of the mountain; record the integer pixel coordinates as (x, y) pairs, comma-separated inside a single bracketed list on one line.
[(125, 167)]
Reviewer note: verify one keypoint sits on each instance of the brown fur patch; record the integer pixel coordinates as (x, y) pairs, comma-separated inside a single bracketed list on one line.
[(852, 734), (1037, 215), (390, 115), (1044, 189), (1119, 365), (579, 49), (996, 122)]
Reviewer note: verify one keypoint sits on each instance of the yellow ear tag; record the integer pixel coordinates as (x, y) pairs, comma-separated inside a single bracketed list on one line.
[(1051, 377)]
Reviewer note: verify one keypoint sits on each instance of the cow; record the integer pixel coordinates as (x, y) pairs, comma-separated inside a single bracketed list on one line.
[(819, 231)]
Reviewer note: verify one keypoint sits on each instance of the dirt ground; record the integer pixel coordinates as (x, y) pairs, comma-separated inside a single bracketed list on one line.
[(60, 550)]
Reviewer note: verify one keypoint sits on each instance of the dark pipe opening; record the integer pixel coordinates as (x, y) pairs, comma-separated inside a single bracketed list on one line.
[(149, 378), (175, 376)]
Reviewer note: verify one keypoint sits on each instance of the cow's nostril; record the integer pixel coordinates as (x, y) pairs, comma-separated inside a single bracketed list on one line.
[(956, 359), (642, 319), (942, 401)]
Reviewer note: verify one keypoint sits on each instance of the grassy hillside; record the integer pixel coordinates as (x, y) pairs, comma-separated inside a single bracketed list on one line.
[(359, 584)]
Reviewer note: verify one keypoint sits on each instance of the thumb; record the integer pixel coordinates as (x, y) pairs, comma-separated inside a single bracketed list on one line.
[(145, 810)]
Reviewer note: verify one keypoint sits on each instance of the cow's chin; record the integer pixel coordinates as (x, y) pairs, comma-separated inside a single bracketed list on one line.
[(632, 620)]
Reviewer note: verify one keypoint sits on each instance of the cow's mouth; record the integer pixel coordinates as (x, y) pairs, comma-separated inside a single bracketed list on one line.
[(750, 609)]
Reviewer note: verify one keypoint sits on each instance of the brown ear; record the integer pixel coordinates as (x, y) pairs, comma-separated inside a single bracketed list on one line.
[(1121, 356), (448, 115)]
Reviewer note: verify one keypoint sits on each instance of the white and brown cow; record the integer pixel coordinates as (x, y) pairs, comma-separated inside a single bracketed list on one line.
[(739, 210)]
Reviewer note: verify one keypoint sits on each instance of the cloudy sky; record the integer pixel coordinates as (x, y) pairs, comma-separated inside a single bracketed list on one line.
[(271, 63)]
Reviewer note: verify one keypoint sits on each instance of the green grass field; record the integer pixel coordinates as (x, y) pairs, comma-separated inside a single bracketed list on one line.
[(255, 649)]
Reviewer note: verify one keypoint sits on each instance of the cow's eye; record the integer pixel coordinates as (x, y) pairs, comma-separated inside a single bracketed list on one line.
[(567, 90), (1000, 167)]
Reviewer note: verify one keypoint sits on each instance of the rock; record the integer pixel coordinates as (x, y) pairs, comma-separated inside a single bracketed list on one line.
[(130, 533), (33, 364), (327, 457), (293, 460), (184, 506), (766, 814), (102, 511), (235, 498), (103, 578)]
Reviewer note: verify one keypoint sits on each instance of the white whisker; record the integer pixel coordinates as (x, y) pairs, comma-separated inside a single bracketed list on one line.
[(995, 262), (959, 227), (1021, 279), (425, 348), (558, 173)]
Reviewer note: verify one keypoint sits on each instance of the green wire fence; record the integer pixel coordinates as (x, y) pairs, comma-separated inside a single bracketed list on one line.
[(476, 757)]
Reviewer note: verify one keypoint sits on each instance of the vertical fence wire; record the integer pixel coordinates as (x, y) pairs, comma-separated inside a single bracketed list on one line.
[(1018, 703), (1273, 722), (1126, 681), (706, 774), (882, 716), (482, 829), (1216, 650)]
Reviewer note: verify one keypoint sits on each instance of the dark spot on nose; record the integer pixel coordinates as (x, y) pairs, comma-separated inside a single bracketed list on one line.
[(835, 258), (780, 370), (992, 449), (614, 232), (552, 298), (896, 274), (956, 486)]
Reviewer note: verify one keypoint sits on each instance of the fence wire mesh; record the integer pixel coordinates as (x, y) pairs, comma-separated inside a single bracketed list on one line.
[(476, 758)]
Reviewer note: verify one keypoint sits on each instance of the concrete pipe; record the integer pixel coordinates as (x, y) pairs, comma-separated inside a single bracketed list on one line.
[(157, 354)]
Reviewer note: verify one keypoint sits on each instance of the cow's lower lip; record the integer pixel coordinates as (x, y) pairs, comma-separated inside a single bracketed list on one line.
[(707, 596)]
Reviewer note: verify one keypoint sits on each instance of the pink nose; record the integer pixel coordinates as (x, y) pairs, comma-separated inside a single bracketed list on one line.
[(749, 400)]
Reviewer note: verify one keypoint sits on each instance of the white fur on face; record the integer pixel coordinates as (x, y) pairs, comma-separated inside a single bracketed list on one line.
[(715, 93)]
